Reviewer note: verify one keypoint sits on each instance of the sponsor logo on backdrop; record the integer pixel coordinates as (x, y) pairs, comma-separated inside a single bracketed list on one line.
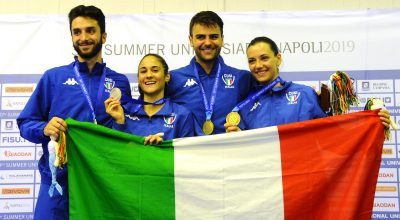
[(387, 98), (375, 85), (16, 206), (13, 103), (386, 189), (15, 191), (17, 153), (365, 86), (386, 205), (18, 89), (9, 125), (14, 140), (387, 175), (388, 151), (16, 176)]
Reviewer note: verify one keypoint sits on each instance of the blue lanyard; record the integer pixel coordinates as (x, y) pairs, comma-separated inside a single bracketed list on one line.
[(254, 96), (141, 102), (209, 109), (85, 92)]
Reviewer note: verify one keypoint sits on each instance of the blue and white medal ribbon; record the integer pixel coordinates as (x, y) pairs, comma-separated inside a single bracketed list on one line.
[(208, 126), (233, 118), (86, 93), (52, 157)]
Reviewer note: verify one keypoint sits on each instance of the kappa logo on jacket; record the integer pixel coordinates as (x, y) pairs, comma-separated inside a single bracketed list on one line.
[(292, 97), (133, 117), (255, 106), (71, 82), (190, 82), (169, 120), (228, 79)]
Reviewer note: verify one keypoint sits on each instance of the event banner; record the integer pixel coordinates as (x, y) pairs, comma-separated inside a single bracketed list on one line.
[(313, 44)]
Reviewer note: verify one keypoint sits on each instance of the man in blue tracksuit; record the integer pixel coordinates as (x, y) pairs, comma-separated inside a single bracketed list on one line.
[(78, 91), (207, 86)]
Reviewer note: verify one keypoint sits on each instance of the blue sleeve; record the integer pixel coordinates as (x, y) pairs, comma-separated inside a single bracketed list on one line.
[(119, 127), (34, 117)]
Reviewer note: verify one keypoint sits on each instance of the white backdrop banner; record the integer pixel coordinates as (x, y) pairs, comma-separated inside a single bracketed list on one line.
[(314, 44)]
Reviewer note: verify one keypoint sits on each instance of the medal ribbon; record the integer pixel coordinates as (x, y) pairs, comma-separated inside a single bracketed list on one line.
[(52, 157), (85, 92), (254, 96), (141, 102), (209, 109)]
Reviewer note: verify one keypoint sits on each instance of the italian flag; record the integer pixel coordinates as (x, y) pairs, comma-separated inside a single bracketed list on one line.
[(318, 169)]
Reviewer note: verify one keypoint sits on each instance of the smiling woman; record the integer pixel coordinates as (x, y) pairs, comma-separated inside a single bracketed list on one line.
[(153, 115)]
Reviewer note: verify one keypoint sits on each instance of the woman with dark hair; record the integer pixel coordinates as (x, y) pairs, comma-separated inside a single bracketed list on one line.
[(155, 116), (275, 101)]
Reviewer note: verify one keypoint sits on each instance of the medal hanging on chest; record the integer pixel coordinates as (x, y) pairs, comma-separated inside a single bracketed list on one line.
[(208, 127)]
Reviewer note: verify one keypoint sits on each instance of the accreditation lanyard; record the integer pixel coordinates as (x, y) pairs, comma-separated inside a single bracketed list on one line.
[(209, 109), (254, 96), (86, 93)]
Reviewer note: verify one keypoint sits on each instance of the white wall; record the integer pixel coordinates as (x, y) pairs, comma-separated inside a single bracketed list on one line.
[(172, 6)]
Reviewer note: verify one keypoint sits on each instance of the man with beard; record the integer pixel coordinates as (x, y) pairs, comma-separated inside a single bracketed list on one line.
[(78, 91), (207, 86)]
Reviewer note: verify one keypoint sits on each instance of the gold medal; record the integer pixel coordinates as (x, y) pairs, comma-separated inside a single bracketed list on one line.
[(208, 127), (233, 118), (115, 93)]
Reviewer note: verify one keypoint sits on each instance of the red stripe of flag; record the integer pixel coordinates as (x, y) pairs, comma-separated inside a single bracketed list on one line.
[(331, 170)]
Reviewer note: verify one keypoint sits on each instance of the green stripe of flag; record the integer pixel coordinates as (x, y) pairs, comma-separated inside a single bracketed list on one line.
[(103, 159)]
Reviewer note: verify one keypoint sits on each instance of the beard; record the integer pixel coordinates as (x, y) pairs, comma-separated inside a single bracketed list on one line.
[(96, 50)]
